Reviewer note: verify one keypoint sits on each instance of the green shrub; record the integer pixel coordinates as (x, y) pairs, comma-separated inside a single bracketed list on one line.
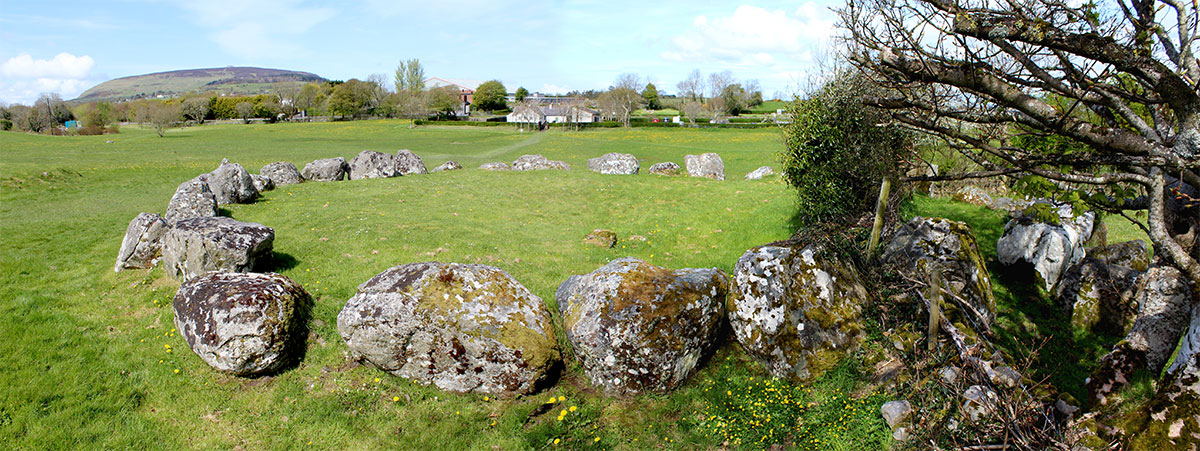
[(5, 124)]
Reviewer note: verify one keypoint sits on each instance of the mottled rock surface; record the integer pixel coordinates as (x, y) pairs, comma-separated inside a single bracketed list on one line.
[(665, 168), (282, 173), (409, 163), (370, 164), (602, 238), (759, 173), (496, 166), (195, 246), (538, 162), (1050, 247), (979, 403), (326, 170), (462, 328), (1130, 254), (922, 244), (262, 183), (708, 165), (447, 166), (796, 309), (637, 327), (973, 195), (231, 184), (1099, 296), (244, 324), (143, 242), (192, 199), (614, 163)]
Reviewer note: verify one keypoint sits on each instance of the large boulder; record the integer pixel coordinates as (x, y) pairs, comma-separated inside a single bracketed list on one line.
[(708, 165), (664, 168), (538, 162), (409, 163), (1171, 417), (463, 328), (143, 242), (973, 195), (496, 166), (1099, 296), (759, 173), (796, 309), (282, 173), (1130, 254), (922, 244), (370, 164), (262, 182), (1048, 237), (447, 166), (231, 184), (326, 170), (614, 163), (637, 327), (245, 324), (193, 199), (199, 245)]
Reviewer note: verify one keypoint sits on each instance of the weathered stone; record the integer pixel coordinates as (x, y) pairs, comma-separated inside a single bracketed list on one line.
[(980, 403), (796, 309), (602, 238), (409, 163), (1009, 204), (244, 324), (326, 170), (922, 244), (262, 183), (614, 163), (896, 412), (1004, 376), (370, 164), (949, 374), (143, 242), (1098, 296), (282, 173), (463, 328), (708, 165), (538, 162), (665, 168), (195, 246), (231, 184), (973, 195), (637, 327), (192, 199), (448, 166), (928, 170), (1130, 254), (1171, 417), (1050, 247), (497, 166), (759, 173)]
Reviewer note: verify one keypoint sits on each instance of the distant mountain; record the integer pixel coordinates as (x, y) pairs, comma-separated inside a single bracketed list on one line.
[(223, 80)]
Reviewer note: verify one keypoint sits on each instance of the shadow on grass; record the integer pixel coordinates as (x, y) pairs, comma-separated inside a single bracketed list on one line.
[(279, 262)]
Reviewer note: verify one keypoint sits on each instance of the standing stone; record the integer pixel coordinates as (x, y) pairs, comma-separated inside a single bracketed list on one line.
[(143, 242), (796, 309), (262, 183), (497, 166), (538, 162), (326, 170), (1050, 238), (243, 324), (199, 245), (922, 244), (231, 184), (409, 163), (192, 199), (448, 166), (1099, 296), (759, 173), (614, 163), (639, 328), (707, 165), (370, 164), (282, 173), (664, 168), (464, 328)]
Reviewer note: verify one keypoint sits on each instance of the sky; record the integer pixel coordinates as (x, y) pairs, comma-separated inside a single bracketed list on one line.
[(546, 46)]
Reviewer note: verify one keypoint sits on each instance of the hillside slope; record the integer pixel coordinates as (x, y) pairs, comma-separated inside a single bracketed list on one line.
[(226, 80)]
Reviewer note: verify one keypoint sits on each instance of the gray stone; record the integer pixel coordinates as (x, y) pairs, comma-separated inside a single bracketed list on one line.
[(231, 184), (922, 244), (637, 327), (1005, 376), (1130, 254), (192, 199), (409, 163), (370, 164), (896, 413), (979, 404), (665, 168), (195, 246), (614, 163), (497, 166), (462, 328), (1050, 248), (973, 195), (143, 242), (1009, 204), (326, 170), (244, 324), (759, 173), (796, 309), (538, 162), (262, 183), (1098, 296), (448, 166), (282, 173), (949, 374), (708, 165), (602, 238)]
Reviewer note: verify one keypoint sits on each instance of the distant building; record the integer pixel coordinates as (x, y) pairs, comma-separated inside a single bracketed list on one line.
[(466, 89)]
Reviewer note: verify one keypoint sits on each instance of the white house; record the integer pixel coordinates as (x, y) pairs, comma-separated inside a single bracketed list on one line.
[(553, 114)]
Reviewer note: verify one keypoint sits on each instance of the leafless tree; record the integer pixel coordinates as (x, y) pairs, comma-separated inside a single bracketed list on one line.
[(692, 87), (691, 109), (623, 97), (718, 81)]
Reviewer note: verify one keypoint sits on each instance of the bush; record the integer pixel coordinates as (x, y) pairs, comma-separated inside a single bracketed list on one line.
[(91, 130), (836, 152), (5, 124)]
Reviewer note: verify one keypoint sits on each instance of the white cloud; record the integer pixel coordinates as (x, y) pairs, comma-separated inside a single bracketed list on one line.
[(255, 30), (553, 89), (25, 78), (754, 36)]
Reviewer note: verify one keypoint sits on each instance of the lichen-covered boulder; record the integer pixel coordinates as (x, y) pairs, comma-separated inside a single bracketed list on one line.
[(1172, 416), (759, 173), (1048, 237), (614, 163), (326, 170), (708, 165), (409, 163), (637, 327), (193, 199), (262, 183), (973, 195), (370, 164), (665, 168), (447, 166), (244, 324), (796, 309), (463, 328), (195, 246), (231, 184), (1098, 296), (924, 243), (602, 238), (1130, 254), (143, 242), (496, 166), (538, 162), (282, 173)]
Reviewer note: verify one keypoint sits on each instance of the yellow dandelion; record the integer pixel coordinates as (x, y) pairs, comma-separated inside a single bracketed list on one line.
[(562, 398), (572, 408), (395, 398), (555, 441), (176, 370), (596, 439)]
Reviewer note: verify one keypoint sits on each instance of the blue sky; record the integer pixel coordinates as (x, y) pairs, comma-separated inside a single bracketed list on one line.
[(547, 46)]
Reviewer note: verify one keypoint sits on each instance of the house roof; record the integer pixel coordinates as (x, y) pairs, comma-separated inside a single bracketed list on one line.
[(556, 110), (461, 83)]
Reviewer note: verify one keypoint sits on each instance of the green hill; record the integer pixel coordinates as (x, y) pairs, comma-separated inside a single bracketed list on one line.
[(225, 80)]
